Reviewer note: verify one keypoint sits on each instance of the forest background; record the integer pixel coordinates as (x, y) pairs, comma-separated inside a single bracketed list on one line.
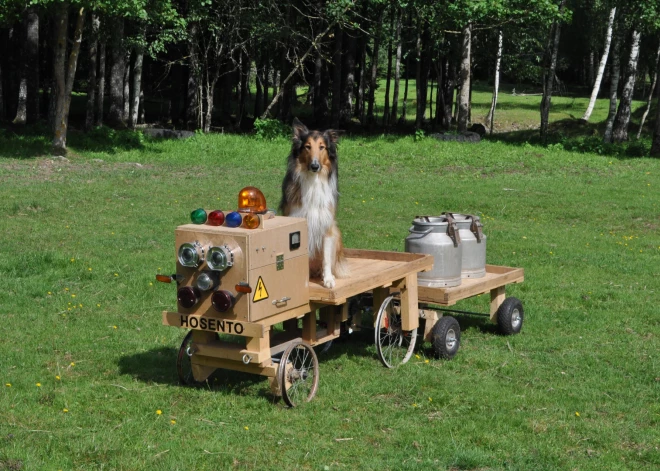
[(214, 65)]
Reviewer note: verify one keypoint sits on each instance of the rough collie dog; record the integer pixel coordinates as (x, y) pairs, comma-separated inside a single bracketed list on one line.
[(309, 190)]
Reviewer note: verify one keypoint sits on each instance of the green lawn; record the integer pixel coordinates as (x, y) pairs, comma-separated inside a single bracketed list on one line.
[(86, 365)]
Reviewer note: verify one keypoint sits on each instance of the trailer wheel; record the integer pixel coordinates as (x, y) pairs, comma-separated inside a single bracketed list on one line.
[(298, 374), (183, 364), (510, 316), (394, 345), (446, 337)]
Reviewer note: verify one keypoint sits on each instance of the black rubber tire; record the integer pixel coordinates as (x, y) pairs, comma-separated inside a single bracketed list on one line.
[(510, 316), (183, 366), (446, 337)]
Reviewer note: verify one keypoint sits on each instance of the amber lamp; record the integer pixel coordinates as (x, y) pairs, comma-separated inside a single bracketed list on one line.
[(251, 200)]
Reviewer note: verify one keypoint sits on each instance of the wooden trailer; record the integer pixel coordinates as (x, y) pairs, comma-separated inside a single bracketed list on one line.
[(246, 296)]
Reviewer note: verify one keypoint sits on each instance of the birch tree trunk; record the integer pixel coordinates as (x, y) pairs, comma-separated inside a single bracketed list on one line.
[(64, 79), (374, 69), (317, 100), (622, 119), (336, 78), (116, 112), (404, 105), (126, 112), (548, 83), (419, 113), (614, 87), (91, 85), (2, 99), (21, 110), (490, 118), (386, 110), (359, 108), (655, 146), (32, 61), (101, 81), (193, 100), (464, 102), (601, 66), (348, 69), (650, 98), (137, 81), (397, 67)]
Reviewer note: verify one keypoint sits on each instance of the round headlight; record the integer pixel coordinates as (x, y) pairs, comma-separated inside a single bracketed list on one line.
[(220, 258), (207, 281), (222, 300), (191, 255), (188, 296)]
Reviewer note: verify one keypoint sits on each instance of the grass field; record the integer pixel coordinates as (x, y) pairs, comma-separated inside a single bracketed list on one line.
[(88, 372)]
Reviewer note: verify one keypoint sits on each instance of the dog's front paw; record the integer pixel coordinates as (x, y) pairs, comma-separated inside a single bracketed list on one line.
[(329, 281)]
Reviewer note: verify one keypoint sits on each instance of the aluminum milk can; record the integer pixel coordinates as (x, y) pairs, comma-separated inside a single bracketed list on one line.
[(437, 236), (474, 244)]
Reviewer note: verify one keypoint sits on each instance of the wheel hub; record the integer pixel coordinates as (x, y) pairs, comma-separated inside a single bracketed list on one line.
[(515, 319), (450, 339)]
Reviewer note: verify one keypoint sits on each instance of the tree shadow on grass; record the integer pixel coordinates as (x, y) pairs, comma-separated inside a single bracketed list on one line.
[(574, 135), (26, 142)]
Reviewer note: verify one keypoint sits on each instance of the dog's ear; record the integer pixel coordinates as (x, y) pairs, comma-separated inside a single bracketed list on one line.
[(331, 136), (299, 130)]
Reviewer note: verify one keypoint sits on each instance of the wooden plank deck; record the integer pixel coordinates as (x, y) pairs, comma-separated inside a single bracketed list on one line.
[(369, 269), (496, 276)]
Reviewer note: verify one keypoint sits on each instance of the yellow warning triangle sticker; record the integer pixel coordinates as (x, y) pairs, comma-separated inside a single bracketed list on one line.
[(260, 292)]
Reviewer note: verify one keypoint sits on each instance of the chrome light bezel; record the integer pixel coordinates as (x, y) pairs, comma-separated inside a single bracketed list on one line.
[(198, 254)]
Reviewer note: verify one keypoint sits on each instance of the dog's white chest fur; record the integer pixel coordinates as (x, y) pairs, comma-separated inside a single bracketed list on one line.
[(319, 197)]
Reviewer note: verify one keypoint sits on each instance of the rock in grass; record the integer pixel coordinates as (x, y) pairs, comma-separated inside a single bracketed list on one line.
[(168, 133), (479, 129), (467, 136)]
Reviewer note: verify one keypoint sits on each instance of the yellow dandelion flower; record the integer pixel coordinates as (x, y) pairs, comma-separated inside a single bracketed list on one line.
[(73, 295), (173, 422), (89, 269), (116, 274), (426, 361), (49, 293), (577, 414), (415, 405), (80, 305), (114, 326), (8, 385), (57, 377), (246, 427), (73, 364), (417, 356), (151, 284), (159, 412), (66, 289), (65, 410), (430, 399), (73, 260), (38, 385), (98, 305)]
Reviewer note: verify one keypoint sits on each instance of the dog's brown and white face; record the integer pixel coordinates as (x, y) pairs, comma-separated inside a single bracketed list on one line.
[(314, 151), (314, 155)]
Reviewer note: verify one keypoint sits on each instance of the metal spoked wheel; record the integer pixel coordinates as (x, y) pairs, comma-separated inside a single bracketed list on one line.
[(298, 374), (395, 346)]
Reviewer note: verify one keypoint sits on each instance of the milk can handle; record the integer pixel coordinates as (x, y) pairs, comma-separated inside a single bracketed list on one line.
[(422, 233)]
